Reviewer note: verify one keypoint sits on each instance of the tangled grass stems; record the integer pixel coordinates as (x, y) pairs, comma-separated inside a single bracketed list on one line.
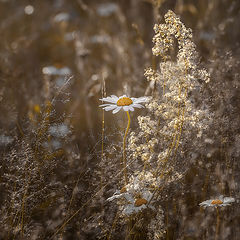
[(16, 219), (72, 195), (68, 219), (113, 226), (131, 226), (22, 210), (11, 218), (71, 200), (131, 223), (21, 218)]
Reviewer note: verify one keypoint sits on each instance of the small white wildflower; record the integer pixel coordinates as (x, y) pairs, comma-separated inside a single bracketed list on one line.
[(54, 71), (218, 202), (5, 140), (62, 17), (107, 9), (59, 130), (126, 103), (138, 204)]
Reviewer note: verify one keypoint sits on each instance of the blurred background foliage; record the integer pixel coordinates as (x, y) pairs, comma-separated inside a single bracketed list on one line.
[(92, 39)]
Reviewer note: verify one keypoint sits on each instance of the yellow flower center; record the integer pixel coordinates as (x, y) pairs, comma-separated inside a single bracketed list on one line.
[(125, 101), (123, 190), (216, 201), (140, 201)]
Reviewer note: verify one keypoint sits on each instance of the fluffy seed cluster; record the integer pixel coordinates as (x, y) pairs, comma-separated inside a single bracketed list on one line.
[(173, 108)]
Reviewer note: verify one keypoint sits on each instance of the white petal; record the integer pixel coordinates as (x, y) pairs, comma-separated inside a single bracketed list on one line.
[(229, 200), (137, 105), (117, 109), (113, 197), (131, 108), (109, 108), (140, 100), (129, 197), (105, 105), (109, 99), (114, 97), (126, 108), (207, 202), (147, 195), (128, 210), (221, 197), (225, 204)]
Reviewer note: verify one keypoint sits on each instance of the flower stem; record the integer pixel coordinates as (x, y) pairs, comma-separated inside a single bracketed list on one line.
[(218, 224), (124, 148)]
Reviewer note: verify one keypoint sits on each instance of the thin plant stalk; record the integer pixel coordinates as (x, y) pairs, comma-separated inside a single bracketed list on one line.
[(218, 224), (103, 130), (124, 149)]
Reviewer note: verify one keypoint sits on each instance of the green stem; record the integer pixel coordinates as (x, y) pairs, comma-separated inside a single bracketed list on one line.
[(124, 152)]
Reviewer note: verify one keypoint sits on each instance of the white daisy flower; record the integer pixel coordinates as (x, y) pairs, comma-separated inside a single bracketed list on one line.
[(138, 204), (133, 204), (218, 202), (126, 103)]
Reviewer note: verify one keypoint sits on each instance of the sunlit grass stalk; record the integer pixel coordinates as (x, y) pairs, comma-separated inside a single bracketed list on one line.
[(102, 146), (124, 149), (103, 129)]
